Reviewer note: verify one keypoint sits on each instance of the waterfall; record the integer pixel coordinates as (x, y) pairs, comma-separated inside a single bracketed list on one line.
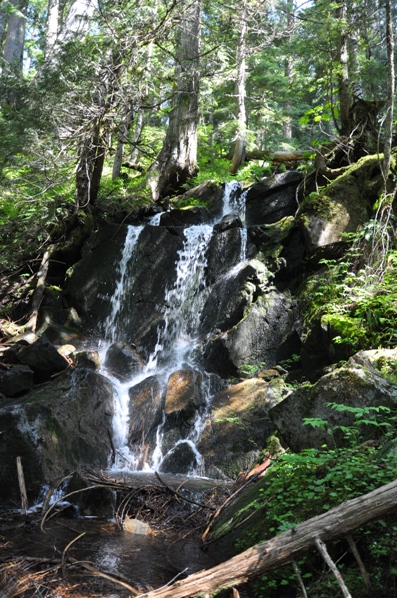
[(177, 334), (184, 301), (131, 240)]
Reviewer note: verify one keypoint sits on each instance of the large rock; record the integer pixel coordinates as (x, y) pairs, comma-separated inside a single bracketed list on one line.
[(272, 198), (239, 427), (43, 358), (357, 384), (123, 361), (265, 335), (340, 208), (56, 428), (186, 217), (184, 392), (224, 250), (145, 410), (232, 295)]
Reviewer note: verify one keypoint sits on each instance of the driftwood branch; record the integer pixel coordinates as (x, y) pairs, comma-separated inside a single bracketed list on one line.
[(286, 547)]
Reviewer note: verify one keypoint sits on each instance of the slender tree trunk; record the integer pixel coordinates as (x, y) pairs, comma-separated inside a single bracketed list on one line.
[(240, 93), (288, 70), (52, 25), (177, 160), (15, 36), (390, 91), (343, 75), (123, 132)]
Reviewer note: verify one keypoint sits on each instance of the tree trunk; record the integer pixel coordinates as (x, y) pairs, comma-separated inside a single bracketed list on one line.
[(343, 75), (15, 36), (52, 25), (288, 71), (241, 137), (89, 168), (286, 547), (390, 92), (177, 160)]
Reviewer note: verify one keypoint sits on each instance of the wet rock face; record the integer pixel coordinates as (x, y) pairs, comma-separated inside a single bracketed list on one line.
[(181, 459), (184, 392), (265, 335), (358, 383), (63, 426), (91, 286), (123, 361), (145, 410)]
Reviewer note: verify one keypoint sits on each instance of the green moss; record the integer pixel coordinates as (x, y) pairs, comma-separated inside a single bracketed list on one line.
[(344, 329)]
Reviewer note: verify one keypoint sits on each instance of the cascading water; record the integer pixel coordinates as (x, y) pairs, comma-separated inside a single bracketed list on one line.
[(177, 336)]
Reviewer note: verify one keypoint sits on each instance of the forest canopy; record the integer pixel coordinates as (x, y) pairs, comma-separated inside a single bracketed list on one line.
[(112, 103)]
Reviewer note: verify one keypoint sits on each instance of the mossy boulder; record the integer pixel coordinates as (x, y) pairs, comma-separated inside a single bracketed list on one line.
[(359, 383), (342, 206)]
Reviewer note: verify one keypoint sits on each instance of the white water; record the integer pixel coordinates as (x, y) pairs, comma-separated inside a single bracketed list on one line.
[(131, 241), (177, 337)]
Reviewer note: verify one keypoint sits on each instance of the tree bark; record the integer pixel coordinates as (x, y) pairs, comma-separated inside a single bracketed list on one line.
[(177, 160), (286, 547), (282, 156), (241, 136), (15, 36), (390, 92)]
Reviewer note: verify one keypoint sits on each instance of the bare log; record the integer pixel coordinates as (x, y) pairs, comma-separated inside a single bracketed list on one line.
[(286, 547), (282, 156)]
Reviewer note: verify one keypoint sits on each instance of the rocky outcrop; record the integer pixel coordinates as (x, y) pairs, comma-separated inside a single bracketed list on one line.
[(150, 271), (145, 413), (56, 428), (333, 398), (265, 335), (239, 426)]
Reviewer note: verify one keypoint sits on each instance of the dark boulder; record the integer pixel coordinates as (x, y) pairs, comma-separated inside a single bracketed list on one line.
[(272, 198), (15, 380), (122, 361), (183, 459), (145, 410), (43, 358)]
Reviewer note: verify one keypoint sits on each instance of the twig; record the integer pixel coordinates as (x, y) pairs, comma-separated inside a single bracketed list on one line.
[(193, 502), (300, 580), (65, 551), (364, 573)]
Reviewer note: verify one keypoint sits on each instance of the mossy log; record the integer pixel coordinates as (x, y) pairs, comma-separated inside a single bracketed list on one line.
[(286, 547)]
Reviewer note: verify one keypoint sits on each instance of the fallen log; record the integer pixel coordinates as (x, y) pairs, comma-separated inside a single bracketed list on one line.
[(286, 547), (279, 157)]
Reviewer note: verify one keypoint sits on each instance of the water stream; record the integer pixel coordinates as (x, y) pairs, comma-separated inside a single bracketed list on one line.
[(177, 336)]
